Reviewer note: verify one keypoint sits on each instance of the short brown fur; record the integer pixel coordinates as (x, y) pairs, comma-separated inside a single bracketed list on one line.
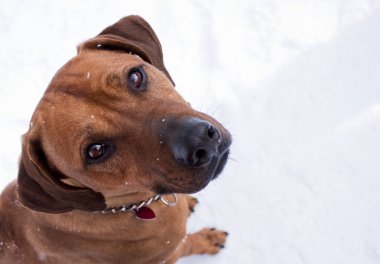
[(52, 213)]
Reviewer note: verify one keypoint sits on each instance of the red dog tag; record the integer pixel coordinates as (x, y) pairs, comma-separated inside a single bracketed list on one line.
[(145, 213)]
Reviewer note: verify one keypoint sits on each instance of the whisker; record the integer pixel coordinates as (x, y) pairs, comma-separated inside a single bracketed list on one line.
[(233, 159)]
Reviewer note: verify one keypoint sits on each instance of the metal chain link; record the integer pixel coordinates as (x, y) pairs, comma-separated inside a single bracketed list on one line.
[(135, 207)]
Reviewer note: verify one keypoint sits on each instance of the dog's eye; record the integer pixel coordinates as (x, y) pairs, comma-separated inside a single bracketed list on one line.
[(96, 151), (99, 152), (137, 79)]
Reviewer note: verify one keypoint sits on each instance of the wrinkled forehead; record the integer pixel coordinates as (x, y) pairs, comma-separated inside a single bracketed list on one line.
[(92, 87), (91, 70), (80, 89), (91, 81)]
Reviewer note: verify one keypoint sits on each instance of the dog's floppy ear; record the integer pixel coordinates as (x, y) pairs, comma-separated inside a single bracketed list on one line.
[(40, 187), (131, 34)]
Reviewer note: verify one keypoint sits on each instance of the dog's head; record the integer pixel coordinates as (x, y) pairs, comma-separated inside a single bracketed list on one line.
[(111, 125)]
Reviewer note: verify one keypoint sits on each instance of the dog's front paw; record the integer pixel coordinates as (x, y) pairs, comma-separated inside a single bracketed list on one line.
[(208, 241)]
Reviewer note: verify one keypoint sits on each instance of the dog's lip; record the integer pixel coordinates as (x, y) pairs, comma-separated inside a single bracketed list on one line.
[(221, 163), (224, 145), (224, 150)]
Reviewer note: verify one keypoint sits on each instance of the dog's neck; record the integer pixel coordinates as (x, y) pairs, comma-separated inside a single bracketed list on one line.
[(141, 209)]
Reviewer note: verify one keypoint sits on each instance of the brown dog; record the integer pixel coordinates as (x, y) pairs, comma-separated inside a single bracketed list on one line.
[(111, 151)]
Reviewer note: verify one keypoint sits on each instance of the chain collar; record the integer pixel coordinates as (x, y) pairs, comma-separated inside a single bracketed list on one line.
[(136, 207)]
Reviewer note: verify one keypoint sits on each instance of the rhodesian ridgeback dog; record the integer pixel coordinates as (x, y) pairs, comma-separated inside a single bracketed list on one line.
[(111, 153)]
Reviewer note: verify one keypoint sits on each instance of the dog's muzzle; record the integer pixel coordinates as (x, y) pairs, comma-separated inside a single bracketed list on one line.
[(195, 143)]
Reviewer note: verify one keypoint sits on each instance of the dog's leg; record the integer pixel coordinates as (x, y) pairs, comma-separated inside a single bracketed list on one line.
[(191, 202), (206, 241)]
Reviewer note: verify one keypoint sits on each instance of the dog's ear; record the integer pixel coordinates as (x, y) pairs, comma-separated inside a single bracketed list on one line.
[(131, 34), (40, 187)]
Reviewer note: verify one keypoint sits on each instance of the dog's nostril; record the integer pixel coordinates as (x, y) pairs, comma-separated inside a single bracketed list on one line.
[(211, 132), (200, 157), (200, 153)]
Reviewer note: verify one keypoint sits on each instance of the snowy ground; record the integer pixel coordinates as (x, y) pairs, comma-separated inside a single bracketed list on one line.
[(296, 82)]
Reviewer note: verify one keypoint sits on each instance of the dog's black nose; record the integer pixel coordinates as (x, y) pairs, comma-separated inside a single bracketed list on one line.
[(193, 141)]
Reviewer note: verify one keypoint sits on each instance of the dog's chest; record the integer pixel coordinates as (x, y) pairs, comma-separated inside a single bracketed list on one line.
[(121, 238)]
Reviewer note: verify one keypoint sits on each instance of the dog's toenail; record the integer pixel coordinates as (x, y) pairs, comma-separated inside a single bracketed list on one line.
[(212, 229), (219, 245), (226, 233)]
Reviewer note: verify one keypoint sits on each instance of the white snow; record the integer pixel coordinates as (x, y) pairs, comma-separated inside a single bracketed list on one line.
[(296, 82)]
